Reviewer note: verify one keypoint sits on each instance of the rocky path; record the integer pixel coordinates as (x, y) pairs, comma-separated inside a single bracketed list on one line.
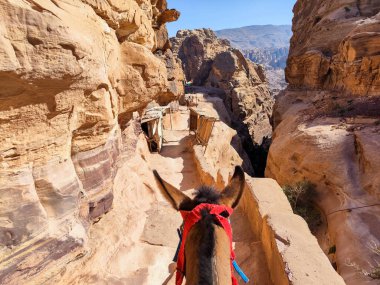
[(176, 164), (135, 242)]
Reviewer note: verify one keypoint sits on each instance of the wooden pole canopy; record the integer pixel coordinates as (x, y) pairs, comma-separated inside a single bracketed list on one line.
[(202, 125), (151, 124)]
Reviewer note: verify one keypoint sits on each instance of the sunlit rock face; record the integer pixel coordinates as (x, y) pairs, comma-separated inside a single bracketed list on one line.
[(211, 62), (335, 46), (327, 126), (71, 74), (267, 45)]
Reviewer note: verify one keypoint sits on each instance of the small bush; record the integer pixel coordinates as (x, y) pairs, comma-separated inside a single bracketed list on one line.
[(374, 272), (303, 192), (301, 196)]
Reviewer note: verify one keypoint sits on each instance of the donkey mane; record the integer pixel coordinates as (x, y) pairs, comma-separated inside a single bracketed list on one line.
[(209, 195), (206, 194), (206, 249)]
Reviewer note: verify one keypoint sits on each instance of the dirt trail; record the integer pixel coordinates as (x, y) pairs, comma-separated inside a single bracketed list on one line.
[(176, 164), (135, 242)]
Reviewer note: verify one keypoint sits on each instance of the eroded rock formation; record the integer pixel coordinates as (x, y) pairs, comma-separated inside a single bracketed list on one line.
[(274, 62), (73, 71), (213, 63), (71, 74), (264, 44), (335, 46), (327, 126)]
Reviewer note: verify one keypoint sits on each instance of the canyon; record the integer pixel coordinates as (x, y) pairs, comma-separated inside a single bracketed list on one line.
[(212, 63), (267, 45), (274, 62), (79, 202)]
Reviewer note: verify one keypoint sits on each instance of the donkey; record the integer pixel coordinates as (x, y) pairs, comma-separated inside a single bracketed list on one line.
[(205, 254)]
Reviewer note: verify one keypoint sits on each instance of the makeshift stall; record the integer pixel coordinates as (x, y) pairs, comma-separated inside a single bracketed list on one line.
[(151, 124), (202, 125)]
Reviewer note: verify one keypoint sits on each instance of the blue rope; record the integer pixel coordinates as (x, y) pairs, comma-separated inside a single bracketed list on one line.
[(240, 272)]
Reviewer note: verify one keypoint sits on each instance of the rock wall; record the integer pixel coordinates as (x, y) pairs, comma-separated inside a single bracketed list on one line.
[(335, 46), (264, 225), (264, 44), (213, 63), (327, 127), (72, 72)]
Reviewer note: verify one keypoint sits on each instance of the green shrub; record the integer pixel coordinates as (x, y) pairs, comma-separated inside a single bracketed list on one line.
[(300, 192), (301, 196)]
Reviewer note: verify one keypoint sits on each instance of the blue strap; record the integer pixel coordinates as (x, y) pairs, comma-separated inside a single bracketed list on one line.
[(240, 272), (179, 245)]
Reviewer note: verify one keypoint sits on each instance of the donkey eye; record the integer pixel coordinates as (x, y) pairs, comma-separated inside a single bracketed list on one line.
[(225, 214)]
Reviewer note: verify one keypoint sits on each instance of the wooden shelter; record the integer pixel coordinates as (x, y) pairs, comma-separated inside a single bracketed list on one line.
[(151, 124), (202, 125)]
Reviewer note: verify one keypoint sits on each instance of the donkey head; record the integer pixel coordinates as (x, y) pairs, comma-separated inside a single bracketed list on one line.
[(229, 196), (207, 247)]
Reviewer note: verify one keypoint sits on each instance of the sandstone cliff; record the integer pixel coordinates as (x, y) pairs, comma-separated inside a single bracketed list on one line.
[(71, 74), (135, 242), (327, 127), (78, 200), (213, 63)]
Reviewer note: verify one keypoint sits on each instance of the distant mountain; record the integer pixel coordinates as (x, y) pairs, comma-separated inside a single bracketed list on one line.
[(267, 45), (266, 36), (272, 57)]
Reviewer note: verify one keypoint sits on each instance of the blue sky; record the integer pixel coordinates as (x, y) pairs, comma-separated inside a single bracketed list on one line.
[(222, 14)]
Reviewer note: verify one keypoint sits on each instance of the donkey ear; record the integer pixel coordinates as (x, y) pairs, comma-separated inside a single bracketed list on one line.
[(231, 195), (172, 194)]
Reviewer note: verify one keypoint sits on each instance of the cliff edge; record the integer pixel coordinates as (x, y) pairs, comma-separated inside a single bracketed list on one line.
[(327, 127)]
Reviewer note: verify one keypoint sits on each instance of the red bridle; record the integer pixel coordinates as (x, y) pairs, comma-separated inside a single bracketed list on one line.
[(190, 219)]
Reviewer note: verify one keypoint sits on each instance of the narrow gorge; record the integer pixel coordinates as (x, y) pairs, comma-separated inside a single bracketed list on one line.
[(79, 203), (223, 72)]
